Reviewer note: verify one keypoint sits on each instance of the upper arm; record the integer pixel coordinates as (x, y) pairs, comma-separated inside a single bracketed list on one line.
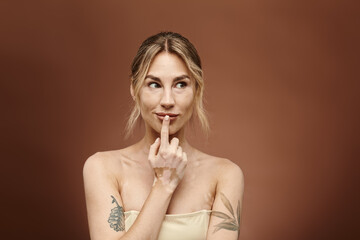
[(226, 210), (102, 209)]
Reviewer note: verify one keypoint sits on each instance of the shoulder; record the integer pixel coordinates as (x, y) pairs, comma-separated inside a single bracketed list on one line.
[(229, 171), (98, 160), (230, 177), (103, 162), (224, 169), (222, 165)]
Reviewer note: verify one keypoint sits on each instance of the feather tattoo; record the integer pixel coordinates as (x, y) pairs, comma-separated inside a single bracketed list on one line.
[(117, 217)]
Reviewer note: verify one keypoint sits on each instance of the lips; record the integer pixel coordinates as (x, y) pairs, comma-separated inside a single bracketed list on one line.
[(162, 115)]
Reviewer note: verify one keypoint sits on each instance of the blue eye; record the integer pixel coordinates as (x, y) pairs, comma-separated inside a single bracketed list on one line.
[(154, 85), (181, 85)]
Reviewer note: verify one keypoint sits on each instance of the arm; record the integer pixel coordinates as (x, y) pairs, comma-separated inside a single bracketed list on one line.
[(226, 210), (104, 205)]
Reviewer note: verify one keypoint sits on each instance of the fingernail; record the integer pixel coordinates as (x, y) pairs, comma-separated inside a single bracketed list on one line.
[(157, 139), (167, 117)]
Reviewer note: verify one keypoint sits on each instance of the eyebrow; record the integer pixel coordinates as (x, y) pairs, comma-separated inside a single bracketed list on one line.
[(181, 77)]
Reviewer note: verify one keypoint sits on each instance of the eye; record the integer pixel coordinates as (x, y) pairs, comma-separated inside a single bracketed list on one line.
[(181, 85), (154, 85)]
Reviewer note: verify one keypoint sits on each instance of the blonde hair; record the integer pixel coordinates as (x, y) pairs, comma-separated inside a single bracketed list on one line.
[(172, 43)]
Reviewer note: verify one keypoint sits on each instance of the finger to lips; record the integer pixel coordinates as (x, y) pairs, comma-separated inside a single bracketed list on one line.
[(165, 131)]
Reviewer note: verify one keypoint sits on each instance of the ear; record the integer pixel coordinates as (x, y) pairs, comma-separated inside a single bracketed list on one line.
[(132, 92)]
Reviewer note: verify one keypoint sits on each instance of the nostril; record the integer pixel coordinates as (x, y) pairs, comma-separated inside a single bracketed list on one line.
[(167, 100), (167, 106)]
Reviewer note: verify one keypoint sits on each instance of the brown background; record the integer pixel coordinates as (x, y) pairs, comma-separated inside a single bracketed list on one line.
[(281, 88)]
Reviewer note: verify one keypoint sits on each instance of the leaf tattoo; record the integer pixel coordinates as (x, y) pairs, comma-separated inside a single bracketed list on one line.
[(231, 223), (117, 217), (227, 204)]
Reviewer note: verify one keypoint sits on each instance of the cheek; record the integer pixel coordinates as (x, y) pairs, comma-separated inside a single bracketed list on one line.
[(147, 101), (187, 102)]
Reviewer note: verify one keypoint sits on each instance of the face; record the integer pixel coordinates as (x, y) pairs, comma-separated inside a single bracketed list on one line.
[(167, 90)]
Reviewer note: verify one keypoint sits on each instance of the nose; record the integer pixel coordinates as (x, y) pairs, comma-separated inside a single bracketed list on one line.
[(167, 100)]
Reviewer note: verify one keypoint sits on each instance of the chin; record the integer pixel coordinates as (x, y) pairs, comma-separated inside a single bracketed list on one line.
[(172, 132)]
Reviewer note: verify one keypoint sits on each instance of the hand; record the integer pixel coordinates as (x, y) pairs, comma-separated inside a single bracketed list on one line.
[(170, 162)]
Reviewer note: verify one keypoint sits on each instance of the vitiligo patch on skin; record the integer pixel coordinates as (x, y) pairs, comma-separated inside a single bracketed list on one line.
[(166, 173)]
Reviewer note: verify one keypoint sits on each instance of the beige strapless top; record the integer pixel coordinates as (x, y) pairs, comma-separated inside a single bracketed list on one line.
[(186, 226)]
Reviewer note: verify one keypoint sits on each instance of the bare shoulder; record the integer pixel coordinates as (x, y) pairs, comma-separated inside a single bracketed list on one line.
[(104, 162), (230, 169), (225, 168), (230, 175)]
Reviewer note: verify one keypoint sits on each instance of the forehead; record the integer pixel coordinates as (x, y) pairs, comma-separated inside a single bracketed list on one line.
[(167, 65)]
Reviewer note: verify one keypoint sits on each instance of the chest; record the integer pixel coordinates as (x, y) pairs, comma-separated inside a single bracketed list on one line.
[(195, 192)]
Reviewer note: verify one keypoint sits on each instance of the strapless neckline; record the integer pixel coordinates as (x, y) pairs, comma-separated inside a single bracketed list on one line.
[(190, 226)]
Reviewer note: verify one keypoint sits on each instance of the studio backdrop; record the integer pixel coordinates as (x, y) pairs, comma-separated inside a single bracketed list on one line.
[(281, 89)]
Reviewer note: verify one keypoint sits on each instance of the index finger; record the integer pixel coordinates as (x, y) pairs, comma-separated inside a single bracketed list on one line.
[(165, 131)]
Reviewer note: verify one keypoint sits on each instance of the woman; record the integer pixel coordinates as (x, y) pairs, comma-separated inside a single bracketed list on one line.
[(162, 187)]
